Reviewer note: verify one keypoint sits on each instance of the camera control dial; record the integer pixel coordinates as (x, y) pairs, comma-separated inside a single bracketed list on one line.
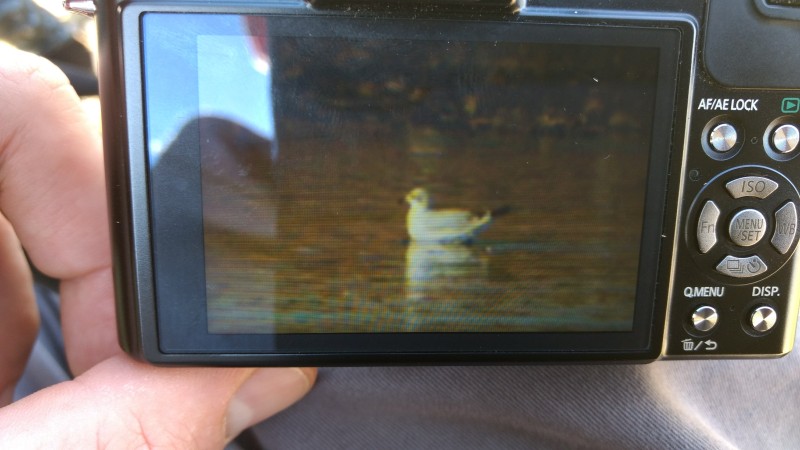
[(743, 224)]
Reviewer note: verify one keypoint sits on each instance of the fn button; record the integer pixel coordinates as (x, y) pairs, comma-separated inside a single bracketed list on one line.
[(707, 227)]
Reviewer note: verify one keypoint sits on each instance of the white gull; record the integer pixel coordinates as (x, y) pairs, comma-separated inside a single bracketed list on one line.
[(442, 226)]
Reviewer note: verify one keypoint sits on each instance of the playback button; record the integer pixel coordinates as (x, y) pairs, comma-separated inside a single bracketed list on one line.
[(782, 137), (785, 138)]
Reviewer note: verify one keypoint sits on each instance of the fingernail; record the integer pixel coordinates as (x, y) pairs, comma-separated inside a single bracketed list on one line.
[(264, 394)]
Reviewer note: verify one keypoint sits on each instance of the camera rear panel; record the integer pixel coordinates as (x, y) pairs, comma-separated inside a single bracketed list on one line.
[(735, 270), (733, 291), (635, 192)]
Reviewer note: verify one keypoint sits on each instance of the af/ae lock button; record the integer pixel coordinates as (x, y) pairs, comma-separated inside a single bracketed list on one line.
[(722, 138)]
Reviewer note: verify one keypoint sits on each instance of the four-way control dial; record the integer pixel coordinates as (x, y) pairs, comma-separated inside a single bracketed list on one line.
[(743, 224)]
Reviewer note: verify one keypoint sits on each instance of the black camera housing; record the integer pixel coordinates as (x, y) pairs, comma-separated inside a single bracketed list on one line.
[(698, 127)]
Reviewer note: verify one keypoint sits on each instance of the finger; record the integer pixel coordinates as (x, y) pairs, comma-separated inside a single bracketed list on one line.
[(88, 322), (266, 393), (126, 404), (51, 169), (19, 318), (52, 190)]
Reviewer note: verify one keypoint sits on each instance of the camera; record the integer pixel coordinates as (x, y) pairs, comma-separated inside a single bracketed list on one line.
[(452, 182)]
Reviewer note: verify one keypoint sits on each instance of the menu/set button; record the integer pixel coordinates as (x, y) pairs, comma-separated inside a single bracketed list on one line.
[(747, 227), (758, 187)]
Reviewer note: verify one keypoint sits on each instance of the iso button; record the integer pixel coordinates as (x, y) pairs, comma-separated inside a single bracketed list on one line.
[(704, 319), (723, 137), (763, 318), (753, 186), (785, 138)]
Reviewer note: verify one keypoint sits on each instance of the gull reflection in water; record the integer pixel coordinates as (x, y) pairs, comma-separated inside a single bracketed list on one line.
[(440, 280)]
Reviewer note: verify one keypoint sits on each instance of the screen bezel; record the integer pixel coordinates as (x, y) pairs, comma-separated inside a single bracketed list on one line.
[(177, 327)]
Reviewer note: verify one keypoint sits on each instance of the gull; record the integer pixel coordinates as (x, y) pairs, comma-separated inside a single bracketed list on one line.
[(442, 226)]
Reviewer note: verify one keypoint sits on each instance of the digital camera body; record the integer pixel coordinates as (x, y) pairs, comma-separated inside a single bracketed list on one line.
[(292, 183)]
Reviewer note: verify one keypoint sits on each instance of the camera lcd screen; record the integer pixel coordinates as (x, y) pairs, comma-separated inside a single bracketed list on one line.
[(329, 176)]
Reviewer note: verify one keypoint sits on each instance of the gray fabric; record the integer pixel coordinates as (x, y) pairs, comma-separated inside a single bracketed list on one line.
[(47, 364), (671, 404)]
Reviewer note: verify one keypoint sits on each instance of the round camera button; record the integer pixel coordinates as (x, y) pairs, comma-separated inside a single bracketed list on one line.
[(785, 138), (763, 318), (705, 318), (747, 227), (723, 137)]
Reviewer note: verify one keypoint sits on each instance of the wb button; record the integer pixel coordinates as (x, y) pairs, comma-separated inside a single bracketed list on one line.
[(790, 105)]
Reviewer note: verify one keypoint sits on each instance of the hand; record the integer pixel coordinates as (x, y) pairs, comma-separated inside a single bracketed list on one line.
[(52, 202)]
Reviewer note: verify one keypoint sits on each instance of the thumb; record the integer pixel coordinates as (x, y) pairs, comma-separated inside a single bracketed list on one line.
[(121, 403)]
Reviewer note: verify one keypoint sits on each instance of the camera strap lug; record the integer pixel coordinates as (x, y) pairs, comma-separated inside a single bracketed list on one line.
[(82, 7)]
